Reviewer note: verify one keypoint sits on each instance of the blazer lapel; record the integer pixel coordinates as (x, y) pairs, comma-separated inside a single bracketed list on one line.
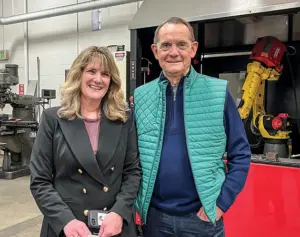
[(110, 132), (77, 137)]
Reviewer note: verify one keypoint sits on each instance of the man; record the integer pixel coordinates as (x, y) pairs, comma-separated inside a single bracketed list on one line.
[(185, 121)]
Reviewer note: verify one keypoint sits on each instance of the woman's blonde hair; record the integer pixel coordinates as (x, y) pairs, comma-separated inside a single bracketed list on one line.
[(113, 104)]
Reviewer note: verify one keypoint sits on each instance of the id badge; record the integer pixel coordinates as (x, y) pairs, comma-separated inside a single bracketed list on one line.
[(95, 218)]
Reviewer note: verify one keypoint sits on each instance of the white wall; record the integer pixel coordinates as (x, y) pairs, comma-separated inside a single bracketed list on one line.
[(58, 40)]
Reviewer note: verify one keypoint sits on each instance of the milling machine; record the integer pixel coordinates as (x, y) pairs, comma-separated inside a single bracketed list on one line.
[(17, 133), (265, 64)]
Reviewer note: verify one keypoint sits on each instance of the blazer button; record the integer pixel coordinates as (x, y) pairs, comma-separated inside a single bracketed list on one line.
[(86, 212), (80, 171), (84, 190), (105, 209), (105, 189), (112, 168)]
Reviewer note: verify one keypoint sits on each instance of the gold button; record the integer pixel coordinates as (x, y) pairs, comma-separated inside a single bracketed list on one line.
[(86, 212), (84, 190), (105, 189), (80, 171), (105, 209)]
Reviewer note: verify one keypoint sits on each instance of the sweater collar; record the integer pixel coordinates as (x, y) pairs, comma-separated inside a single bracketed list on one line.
[(187, 78)]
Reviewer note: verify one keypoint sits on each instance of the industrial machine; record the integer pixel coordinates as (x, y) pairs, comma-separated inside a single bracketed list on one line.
[(17, 133), (266, 64)]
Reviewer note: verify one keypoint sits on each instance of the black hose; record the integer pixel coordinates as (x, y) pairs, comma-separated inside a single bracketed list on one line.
[(288, 54)]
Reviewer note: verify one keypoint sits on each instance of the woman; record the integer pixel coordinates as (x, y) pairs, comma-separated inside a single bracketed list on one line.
[(85, 155)]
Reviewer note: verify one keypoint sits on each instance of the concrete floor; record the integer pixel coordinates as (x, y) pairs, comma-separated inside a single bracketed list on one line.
[(19, 215)]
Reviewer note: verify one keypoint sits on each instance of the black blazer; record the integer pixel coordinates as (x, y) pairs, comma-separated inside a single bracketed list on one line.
[(67, 179)]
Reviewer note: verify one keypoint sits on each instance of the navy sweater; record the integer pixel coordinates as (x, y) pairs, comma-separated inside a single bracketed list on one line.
[(175, 192)]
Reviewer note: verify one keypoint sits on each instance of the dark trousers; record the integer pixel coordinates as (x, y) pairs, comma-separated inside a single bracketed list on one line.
[(160, 224)]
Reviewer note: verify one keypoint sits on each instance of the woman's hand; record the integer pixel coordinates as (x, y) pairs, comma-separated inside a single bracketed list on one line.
[(111, 225), (76, 228)]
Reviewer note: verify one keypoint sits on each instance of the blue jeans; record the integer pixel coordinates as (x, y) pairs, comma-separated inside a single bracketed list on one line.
[(160, 224)]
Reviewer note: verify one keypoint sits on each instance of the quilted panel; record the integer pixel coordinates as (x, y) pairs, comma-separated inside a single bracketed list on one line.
[(204, 110), (148, 114)]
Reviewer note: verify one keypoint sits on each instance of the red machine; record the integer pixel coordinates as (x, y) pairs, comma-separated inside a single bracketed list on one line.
[(269, 205), (269, 51)]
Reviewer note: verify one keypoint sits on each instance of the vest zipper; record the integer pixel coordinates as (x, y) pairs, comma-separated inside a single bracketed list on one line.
[(187, 146), (173, 111), (174, 91)]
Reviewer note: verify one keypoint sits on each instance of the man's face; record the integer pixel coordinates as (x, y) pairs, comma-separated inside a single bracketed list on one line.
[(174, 49)]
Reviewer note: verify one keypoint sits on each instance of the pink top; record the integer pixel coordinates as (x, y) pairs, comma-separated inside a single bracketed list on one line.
[(93, 130)]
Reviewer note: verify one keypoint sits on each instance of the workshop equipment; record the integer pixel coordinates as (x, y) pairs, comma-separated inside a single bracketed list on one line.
[(146, 70), (18, 132), (265, 65)]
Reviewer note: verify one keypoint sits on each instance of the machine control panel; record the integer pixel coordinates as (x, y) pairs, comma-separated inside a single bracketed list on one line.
[(48, 94), (132, 70)]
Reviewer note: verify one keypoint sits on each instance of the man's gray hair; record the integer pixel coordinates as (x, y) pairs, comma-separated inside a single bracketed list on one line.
[(175, 21)]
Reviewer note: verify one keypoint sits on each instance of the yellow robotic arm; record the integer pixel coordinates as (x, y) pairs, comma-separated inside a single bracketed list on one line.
[(265, 65), (253, 91)]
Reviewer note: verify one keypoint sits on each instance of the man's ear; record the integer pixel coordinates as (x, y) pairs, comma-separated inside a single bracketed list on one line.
[(194, 49), (154, 50)]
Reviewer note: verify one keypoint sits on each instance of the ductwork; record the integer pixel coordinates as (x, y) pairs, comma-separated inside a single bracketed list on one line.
[(154, 12), (74, 8)]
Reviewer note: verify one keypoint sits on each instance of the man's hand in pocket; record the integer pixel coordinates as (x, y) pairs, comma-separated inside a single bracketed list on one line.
[(203, 216)]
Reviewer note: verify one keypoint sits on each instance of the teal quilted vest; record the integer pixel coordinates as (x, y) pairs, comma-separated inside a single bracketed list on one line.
[(204, 100)]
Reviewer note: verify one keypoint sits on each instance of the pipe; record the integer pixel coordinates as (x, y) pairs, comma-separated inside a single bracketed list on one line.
[(58, 11), (2, 11), (218, 55), (26, 50), (77, 32), (39, 85)]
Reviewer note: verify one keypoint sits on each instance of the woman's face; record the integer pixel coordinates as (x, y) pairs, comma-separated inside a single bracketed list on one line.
[(95, 82)]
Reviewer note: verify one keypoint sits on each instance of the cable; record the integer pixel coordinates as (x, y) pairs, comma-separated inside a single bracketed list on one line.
[(292, 47), (288, 54)]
